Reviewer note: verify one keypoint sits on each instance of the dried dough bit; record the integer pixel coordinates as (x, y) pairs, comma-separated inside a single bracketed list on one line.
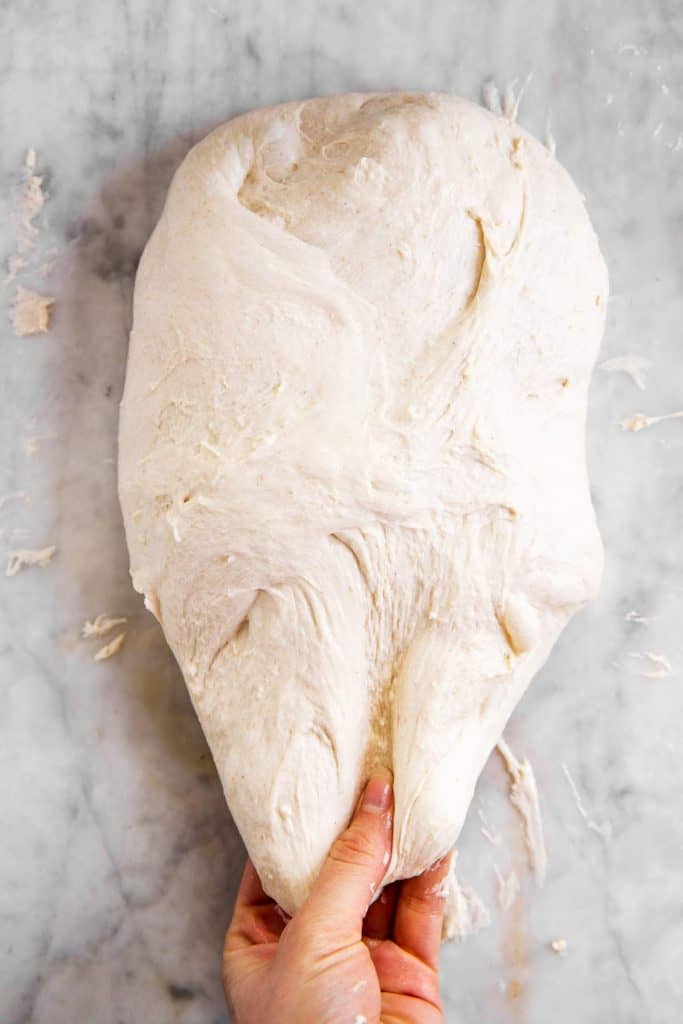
[(639, 421), (26, 557), (633, 366), (110, 649), (100, 626), (507, 888), (524, 797), (31, 312)]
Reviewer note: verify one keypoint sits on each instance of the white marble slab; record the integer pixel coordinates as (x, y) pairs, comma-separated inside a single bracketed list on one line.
[(118, 860)]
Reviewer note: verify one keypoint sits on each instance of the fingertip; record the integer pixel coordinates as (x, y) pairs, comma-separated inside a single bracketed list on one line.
[(251, 891), (420, 910), (378, 795)]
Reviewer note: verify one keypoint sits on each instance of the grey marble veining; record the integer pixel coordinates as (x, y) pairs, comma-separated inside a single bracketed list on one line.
[(118, 861)]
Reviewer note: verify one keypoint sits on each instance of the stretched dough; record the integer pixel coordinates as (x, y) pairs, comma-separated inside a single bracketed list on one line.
[(352, 454)]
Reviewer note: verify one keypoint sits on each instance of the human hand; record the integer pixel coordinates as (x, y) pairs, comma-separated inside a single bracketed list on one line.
[(336, 961)]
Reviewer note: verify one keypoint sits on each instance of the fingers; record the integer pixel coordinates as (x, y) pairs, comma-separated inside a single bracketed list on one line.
[(407, 1010), (379, 920), (402, 974), (256, 919), (353, 871), (250, 893), (419, 913)]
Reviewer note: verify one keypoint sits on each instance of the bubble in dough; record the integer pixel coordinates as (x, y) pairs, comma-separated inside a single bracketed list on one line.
[(352, 461)]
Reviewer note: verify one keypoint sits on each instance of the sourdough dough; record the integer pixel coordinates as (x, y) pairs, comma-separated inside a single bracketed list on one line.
[(352, 454)]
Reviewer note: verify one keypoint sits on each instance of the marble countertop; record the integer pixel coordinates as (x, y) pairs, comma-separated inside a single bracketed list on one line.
[(119, 861)]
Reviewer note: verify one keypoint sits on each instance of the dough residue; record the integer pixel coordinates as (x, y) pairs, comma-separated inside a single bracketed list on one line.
[(635, 367), (465, 913), (524, 798), (110, 649), (100, 625), (507, 103), (31, 312), (512, 100), (489, 831), (634, 616), (31, 202), (491, 97), (659, 665), (550, 141), (639, 421), (507, 887), (604, 830), (26, 557)]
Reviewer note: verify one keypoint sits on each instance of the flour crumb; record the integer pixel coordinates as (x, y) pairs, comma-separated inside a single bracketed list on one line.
[(633, 366), (26, 557), (634, 616), (507, 888), (100, 626), (559, 946), (360, 1019), (110, 649), (604, 830), (639, 421), (31, 312), (631, 48), (524, 798)]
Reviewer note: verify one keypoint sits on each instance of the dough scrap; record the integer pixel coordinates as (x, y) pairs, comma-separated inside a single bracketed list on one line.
[(31, 312), (111, 648), (24, 558), (352, 454)]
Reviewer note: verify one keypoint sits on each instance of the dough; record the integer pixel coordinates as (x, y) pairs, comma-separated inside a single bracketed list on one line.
[(352, 454)]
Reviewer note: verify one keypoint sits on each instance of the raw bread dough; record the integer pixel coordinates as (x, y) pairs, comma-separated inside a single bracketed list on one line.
[(352, 454)]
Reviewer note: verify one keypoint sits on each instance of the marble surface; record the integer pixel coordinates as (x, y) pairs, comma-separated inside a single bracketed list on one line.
[(118, 861)]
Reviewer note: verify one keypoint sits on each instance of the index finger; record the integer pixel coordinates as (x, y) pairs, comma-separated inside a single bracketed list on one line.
[(251, 893), (257, 919), (419, 912)]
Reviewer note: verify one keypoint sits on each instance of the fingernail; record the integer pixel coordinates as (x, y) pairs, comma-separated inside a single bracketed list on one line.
[(377, 796)]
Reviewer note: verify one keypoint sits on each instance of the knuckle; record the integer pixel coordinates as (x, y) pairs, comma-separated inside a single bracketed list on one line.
[(354, 847), (421, 903)]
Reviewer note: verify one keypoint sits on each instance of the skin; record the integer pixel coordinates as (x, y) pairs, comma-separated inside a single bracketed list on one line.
[(340, 960)]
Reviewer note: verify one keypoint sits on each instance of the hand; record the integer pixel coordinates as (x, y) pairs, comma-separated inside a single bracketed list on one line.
[(332, 964)]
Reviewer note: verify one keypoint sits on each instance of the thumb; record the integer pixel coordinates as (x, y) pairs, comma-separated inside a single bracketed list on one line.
[(353, 871)]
